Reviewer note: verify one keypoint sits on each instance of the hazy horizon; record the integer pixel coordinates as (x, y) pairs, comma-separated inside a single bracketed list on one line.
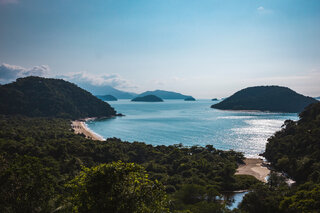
[(203, 48)]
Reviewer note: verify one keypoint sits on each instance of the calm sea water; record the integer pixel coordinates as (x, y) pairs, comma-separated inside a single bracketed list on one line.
[(191, 123)]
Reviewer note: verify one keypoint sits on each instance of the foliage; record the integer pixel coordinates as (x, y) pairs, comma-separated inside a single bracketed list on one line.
[(43, 97), (26, 185), (266, 98), (116, 187), (52, 141), (296, 148)]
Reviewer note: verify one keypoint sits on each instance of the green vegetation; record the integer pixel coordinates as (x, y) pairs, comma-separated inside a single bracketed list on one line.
[(116, 187), (43, 97), (47, 146), (148, 98), (294, 150), (266, 98), (107, 97)]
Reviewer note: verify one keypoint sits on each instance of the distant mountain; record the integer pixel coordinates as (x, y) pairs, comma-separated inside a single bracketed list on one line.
[(165, 94), (106, 90), (107, 97), (190, 99), (266, 98), (148, 98), (44, 97)]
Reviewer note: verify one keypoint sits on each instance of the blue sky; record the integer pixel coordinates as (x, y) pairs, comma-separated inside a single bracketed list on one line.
[(204, 48)]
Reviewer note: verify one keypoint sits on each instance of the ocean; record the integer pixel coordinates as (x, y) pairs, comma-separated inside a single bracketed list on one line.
[(191, 123)]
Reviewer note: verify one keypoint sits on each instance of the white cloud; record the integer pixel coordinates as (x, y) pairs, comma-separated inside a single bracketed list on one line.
[(262, 10), (113, 80), (10, 73), (8, 1)]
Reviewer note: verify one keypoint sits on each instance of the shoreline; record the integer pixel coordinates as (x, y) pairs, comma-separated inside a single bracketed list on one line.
[(254, 167), (80, 127)]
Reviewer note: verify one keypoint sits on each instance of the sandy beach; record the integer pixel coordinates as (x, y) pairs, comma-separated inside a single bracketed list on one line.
[(254, 167), (80, 127)]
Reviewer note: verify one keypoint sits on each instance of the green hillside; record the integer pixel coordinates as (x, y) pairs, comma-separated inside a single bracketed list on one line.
[(44, 97), (266, 98)]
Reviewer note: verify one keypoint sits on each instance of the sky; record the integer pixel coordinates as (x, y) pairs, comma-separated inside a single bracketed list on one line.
[(203, 48)]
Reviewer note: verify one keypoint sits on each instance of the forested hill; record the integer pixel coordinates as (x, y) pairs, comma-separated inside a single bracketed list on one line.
[(44, 97), (266, 98), (165, 94), (296, 148)]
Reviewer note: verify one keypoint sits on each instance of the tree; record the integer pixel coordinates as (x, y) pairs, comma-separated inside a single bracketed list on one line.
[(116, 187), (26, 185)]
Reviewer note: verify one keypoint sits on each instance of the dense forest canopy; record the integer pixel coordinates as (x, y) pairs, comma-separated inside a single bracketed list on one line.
[(266, 98), (44, 97), (51, 143), (295, 150)]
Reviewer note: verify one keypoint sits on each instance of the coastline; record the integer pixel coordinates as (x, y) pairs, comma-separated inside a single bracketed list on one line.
[(254, 167), (80, 127)]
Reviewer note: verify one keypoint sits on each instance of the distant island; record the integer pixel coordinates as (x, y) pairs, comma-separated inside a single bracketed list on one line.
[(107, 97), (266, 98), (165, 94), (214, 99), (101, 90), (190, 99), (45, 97), (148, 98)]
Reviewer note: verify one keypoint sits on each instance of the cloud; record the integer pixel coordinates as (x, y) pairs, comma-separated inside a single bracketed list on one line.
[(8, 1), (10, 73), (113, 80), (262, 10)]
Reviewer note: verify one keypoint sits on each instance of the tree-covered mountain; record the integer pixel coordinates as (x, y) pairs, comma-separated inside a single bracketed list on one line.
[(266, 98), (148, 98), (107, 97), (44, 97), (165, 94)]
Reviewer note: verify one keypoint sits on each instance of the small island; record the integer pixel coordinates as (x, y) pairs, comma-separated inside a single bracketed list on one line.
[(214, 99), (266, 98), (190, 99), (107, 97), (148, 98)]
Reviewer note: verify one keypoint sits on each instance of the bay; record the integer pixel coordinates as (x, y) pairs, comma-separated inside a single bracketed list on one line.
[(191, 123)]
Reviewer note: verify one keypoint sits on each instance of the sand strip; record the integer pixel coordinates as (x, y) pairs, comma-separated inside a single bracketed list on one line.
[(80, 127), (254, 167)]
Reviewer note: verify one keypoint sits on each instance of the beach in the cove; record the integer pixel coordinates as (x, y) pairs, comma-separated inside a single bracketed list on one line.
[(80, 127)]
